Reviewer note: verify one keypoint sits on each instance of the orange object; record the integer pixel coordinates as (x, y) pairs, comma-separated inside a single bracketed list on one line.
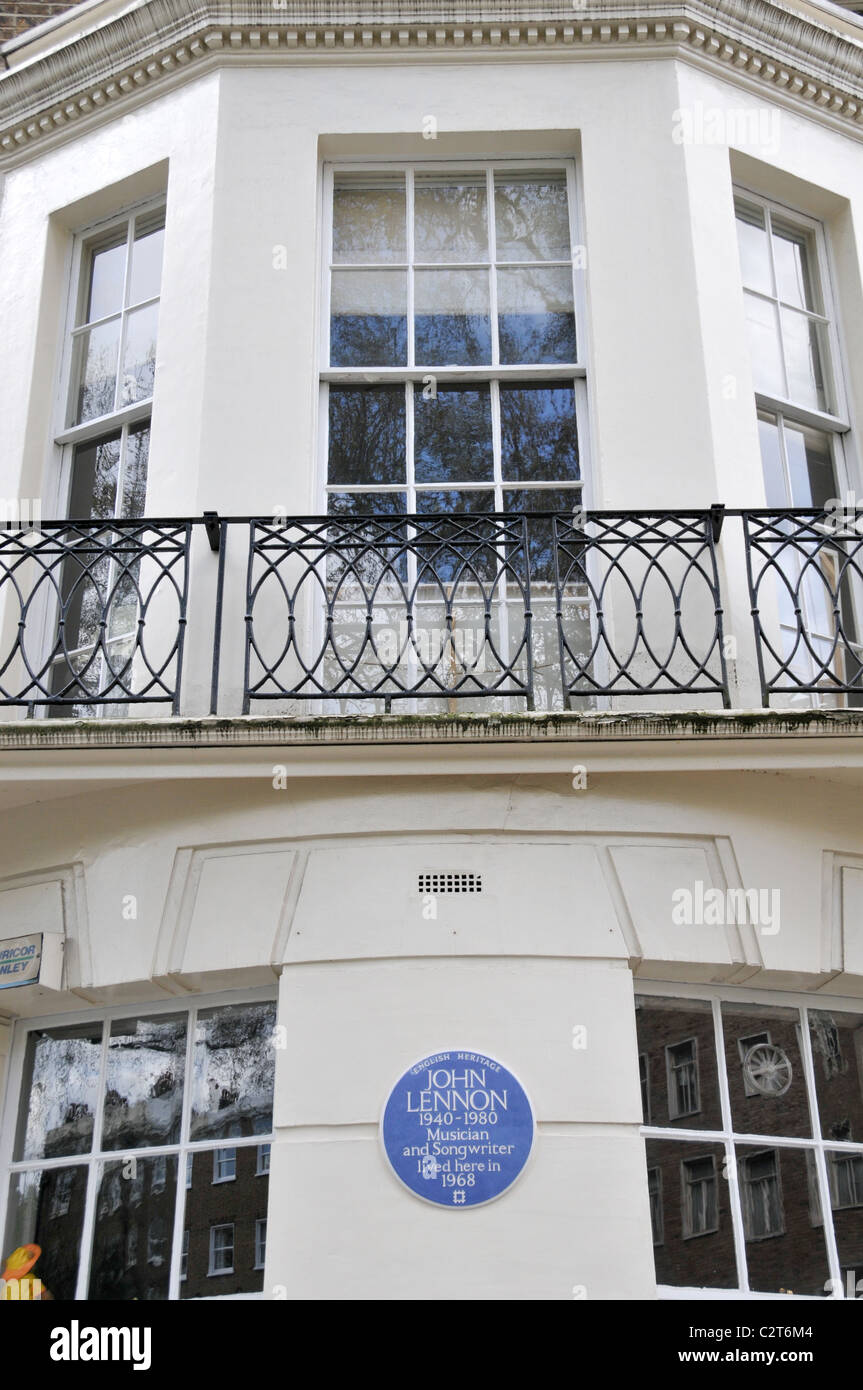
[(21, 1261)]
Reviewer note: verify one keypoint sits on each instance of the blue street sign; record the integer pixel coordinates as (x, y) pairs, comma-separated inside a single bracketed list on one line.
[(457, 1128)]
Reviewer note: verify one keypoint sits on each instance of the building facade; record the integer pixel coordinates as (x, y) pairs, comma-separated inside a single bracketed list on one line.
[(431, 617)]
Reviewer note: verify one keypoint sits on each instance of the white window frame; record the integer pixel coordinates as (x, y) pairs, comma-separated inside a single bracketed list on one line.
[(184, 1254), (212, 1271), (226, 1156), (746, 1193), (260, 1244), (262, 1168), (727, 1136), (671, 1080), (686, 1186), (575, 374), (658, 1239), (93, 1160), (644, 1086)]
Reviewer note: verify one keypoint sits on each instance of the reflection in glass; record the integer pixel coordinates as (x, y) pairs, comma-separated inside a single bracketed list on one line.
[(144, 1081), (845, 1181), (107, 273), (803, 356), (531, 217), (368, 326), (223, 1224), (134, 1229), (59, 1091), (452, 435), (837, 1040), (46, 1208), (367, 435), (450, 219), (678, 1037), (762, 328), (95, 369), (784, 1251), (369, 221), (754, 250), (147, 249), (766, 1081), (139, 355), (791, 258), (810, 466), (539, 440), (536, 321), (697, 1246), (452, 317), (540, 538), (233, 1070)]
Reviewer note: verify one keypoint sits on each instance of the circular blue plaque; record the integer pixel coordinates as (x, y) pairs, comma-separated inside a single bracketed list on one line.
[(457, 1128)]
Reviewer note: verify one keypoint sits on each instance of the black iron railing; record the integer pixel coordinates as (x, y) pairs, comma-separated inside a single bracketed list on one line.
[(454, 612)]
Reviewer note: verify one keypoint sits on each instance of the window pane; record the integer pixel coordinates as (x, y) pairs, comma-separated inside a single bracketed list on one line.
[(234, 1064), (450, 219), (846, 1188), (139, 355), (698, 1240), (803, 354), (134, 1229), (771, 461), (107, 274), (135, 471), (367, 435), (452, 435), (366, 504), (539, 440), (369, 222), (531, 218), (452, 317), (59, 1091), (144, 1081), (766, 354), (810, 466), (765, 1069), (238, 1207), (94, 371), (465, 500), (754, 251), (791, 256), (46, 1208), (540, 536), (664, 1026), (93, 494), (535, 315), (837, 1039), (784, 1251), (369, 318), (147, 249)]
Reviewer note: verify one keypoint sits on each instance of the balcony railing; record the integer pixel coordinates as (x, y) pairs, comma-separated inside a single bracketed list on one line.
[(448, 613)]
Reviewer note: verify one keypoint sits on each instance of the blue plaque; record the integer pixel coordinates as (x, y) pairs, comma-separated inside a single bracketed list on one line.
[(457, 1128)]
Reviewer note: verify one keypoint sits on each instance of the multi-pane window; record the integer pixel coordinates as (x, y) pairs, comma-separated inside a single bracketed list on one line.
[(770, 1149), (260, 1243), (682, 1069), (114, 1114), (644, 1082), (106, 435), (452, 358), (654, 1192), (222, 1249), (263, 1159), (802, 414)]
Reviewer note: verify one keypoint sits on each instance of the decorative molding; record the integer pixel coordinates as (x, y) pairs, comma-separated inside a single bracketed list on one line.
[(92, 74)]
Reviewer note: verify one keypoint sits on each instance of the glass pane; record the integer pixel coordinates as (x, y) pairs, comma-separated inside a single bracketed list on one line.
[(93, 495), (837, 1040), (450, 219), (139, 355), (810, 466), (452, 435), (369, 222), (466, 500), (366, 504), (144, 1081), (238, 1206), (763, 332), (697, 1246), (135, 471), (803, 354), (46, 1208), (367, 435), (539, 439), (452, 317), (540, 537), (107, 274), (791, 255), (535, 315), (134, 1229), (369, 318), (677, 1035), (531, 217), (845, 1179), (771, 460), (765, 1068), (784, 1251), (754, 251), (147, 248), (94, 371), (234, 1066), (59, 1091)]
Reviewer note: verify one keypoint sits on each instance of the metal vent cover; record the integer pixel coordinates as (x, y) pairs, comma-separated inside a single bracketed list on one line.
[(450, 883)]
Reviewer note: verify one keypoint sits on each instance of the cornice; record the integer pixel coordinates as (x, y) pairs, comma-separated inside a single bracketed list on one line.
[(89, 75)]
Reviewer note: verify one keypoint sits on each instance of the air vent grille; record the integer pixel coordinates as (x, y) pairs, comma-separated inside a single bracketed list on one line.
[(450, 883)]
